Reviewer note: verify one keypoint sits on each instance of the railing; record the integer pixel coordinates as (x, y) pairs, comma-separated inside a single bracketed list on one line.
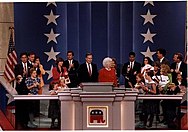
[(6, 97), (41, 114), (8, 105), (39, 105), (180, 97)]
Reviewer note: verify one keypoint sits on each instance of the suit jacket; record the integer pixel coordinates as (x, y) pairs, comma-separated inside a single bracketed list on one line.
[(183, 69), (72, 73), (183, 83), (71, 70), (164, 61), (130, 76), (21, 87), (18, 70), (83, 74)]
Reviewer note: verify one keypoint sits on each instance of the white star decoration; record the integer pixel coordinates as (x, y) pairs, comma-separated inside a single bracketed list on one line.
[(49, 3), (148, 36), (148, 53), (52, 36), (51, 18), (51, 54), (148, 17), (49, 72), (148, 2)]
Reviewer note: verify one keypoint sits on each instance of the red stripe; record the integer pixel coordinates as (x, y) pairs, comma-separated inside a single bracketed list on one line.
[(14, 54), (8, 71), (10, 74), (7, 76), (9, 67), (9, 61), (13, 58)]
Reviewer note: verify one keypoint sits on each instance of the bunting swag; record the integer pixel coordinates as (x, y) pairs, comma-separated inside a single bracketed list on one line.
[(104, 28)]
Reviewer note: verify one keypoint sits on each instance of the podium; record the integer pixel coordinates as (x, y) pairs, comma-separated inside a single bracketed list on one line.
[(97, 106), (98, 87)]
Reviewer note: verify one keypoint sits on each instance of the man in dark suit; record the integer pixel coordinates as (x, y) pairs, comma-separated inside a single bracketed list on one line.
[(161, 57), (178, 66), (31, 58), (87, 72), (130, 70), (72, 67), (22, 70)]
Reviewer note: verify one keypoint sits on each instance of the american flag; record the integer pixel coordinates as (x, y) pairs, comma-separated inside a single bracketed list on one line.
[(11, 58)]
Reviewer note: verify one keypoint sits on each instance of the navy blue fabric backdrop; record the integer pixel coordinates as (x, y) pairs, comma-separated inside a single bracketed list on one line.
[(104, 28), (3, 99)]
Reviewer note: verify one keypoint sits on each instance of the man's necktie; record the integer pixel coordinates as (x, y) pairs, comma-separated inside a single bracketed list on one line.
[(131, 66), (176, 66), (25, 69), (89, 69)]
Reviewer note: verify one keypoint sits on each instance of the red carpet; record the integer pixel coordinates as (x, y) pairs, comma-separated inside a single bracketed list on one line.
[(184, 122), (184, 119), (4, 123)]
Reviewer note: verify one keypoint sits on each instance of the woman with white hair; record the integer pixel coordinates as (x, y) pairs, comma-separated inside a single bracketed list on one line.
[(107, 73)]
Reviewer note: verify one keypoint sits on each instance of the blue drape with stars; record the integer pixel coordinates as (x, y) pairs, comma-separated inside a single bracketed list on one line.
[(105, 29)]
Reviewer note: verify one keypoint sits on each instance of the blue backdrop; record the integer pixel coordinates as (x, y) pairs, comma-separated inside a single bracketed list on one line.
[(103, 28)]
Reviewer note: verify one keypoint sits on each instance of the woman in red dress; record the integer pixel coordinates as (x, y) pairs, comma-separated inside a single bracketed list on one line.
[(107, 73), (59, 71)]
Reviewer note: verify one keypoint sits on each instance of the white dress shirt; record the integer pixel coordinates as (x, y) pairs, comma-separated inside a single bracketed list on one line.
[(131, 64), (89, 65)]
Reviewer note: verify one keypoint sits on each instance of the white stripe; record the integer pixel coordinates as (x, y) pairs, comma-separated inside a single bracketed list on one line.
[(12, 58), (7, 75), (15, 58), (10, 62), (10, 70)]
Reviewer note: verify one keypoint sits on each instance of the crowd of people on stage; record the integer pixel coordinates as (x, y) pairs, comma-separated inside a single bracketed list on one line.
[(158, 77)]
